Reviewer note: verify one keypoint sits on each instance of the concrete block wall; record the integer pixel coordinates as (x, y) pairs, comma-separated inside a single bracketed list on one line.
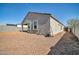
[(5, 28)]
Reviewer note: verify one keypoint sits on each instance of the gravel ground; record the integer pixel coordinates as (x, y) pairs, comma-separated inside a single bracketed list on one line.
[(20, 43), (68, 45)]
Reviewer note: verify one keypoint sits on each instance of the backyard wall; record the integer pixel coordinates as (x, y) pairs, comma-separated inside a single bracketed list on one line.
[(5, 28), (75, 30)]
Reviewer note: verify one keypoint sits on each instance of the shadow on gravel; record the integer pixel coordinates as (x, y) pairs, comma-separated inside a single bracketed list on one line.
[(68, 45)]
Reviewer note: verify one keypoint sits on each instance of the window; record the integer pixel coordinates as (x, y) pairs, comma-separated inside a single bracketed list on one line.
[(35, 25)]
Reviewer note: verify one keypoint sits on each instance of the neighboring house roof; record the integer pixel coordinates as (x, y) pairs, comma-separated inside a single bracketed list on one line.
[(42, 14), (11, 24)]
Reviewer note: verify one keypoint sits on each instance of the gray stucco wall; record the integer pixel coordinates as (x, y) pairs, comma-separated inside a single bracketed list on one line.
[(55, 27), (43, 22)]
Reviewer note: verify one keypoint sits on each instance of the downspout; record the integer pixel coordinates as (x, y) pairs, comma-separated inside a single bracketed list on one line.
[(74, 28)]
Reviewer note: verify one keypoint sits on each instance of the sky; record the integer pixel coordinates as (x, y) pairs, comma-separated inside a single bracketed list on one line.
[(14, 13)]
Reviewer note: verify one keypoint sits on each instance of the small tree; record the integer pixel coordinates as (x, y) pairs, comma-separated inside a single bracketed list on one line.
[(72, 23)]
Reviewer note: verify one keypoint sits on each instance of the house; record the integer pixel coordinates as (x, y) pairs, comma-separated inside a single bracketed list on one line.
[(42, 23), (75, 30)]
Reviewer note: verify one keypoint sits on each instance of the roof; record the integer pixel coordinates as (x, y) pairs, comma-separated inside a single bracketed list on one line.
[(42, 14)]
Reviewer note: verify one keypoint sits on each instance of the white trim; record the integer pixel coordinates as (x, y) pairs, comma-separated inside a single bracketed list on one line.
[(30, 25)]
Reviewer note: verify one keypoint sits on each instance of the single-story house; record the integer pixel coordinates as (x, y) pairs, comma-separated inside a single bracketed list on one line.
[(42, 23), (75, 30)]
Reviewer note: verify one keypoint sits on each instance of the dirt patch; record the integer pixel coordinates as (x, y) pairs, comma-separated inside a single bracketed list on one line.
[(26, 43)]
